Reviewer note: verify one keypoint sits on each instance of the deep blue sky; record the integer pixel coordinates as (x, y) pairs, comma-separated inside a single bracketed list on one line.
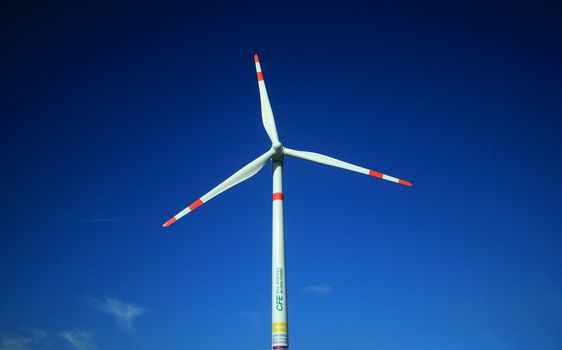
[(115, 117)]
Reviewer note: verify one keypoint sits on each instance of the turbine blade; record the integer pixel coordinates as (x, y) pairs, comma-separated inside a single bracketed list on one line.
[(266, 112), (239, 176), (322, 159)]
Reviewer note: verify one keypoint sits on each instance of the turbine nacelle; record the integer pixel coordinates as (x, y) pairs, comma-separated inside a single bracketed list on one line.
[(277, 147)]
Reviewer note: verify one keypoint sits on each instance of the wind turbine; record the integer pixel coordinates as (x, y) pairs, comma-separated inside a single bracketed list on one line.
[(280, 338)]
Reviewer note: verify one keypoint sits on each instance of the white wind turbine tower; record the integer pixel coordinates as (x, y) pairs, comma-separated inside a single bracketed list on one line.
[(280, 338)]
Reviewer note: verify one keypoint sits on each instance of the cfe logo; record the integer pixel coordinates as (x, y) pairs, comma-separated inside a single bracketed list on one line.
[(279, 289)]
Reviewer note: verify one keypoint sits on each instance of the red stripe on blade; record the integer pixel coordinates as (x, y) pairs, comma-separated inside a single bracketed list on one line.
[(404, 182), (278, 196), (375, 174), (195, 204), (260, 76), (169, 222), (256, 58)]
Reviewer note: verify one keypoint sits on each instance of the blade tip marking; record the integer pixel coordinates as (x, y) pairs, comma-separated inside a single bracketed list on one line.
[(195, 204), (256, 58), (169, 222), (405, 183), (375, 174)]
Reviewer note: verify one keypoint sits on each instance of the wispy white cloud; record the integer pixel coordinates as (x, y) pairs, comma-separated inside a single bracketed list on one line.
[(20, 341), (318, 289), (14, 342), (78, 339), (124, 313)]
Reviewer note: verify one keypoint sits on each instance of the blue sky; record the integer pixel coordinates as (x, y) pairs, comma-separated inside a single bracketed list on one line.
[(115, 117)]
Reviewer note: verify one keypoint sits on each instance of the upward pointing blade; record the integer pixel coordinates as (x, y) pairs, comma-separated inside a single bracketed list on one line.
[(322, 159), (239, 176), (266, 112)]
